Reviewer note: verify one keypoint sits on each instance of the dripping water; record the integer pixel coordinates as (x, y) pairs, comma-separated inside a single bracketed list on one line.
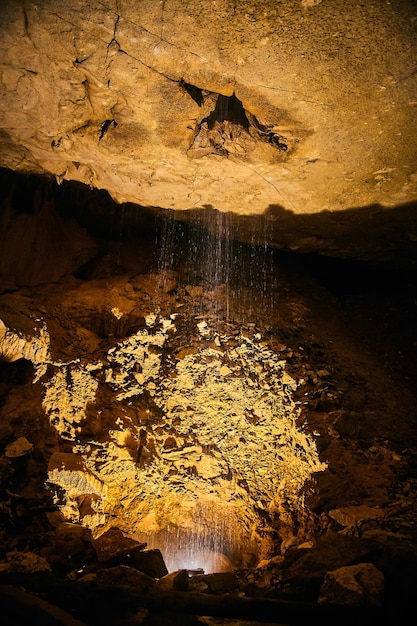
[(211, 546), (168, 240), (205, 252)]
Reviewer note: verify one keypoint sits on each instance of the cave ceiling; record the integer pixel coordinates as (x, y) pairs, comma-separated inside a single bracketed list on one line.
[(272, 112)]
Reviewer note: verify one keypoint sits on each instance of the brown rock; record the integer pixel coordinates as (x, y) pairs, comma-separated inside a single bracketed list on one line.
[(360, 584), (331, 551), (114, 544), (125, 576), (19, 447), (350, 515), (24, 563), (74, 543), (150, 562), (70, 532), (69, 472), (174, 581), (222, 582)]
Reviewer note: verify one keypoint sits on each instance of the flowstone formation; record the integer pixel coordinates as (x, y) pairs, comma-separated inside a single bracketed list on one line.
[(194, 444)]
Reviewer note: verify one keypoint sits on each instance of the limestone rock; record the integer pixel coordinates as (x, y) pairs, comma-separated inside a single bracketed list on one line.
[(125, 576), (174, 581), (360, 584), (24, 563), (331, 551), (74, 545), (70, 532), (90, 507), (19, 447), (150, 562), (113, 544), (255, 108), (34, 347), (69, 472), (350, 515), (222, 582)]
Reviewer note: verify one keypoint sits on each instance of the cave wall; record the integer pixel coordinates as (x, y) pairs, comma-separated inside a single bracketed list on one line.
[(288, 124), (209, 397), (305, 105)]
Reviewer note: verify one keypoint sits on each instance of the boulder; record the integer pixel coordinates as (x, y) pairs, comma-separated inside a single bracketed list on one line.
[(18, 448), (174, 581), (306, 571), (150, 562), (125, 576), (360, 584), (114, 544), (74, 545), (24, 563)]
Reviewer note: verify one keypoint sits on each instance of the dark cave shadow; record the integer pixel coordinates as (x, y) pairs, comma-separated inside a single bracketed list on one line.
[(356, 250), (372, 233), (369, 233), (276, 225), (350, 251)]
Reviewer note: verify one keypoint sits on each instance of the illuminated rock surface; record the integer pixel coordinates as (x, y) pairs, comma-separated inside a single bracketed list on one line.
[(256, 108), (173, 370), (240, 411)]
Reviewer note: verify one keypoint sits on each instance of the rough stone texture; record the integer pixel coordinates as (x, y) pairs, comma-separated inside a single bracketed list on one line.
[(138, 99), (174, 580), (113, 544), (150, 562), (331, 551), (229, 402), (126, 576), (19, 447), (354, 584), (24, 562), (351, 515)]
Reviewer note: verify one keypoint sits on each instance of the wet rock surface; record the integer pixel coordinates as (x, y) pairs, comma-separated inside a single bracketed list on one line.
[(221, 404)]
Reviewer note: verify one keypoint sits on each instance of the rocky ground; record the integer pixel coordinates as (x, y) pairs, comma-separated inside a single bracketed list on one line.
[(243, 411)]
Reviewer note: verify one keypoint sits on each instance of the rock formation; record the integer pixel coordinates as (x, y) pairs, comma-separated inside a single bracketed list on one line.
[(196, 418), (257, 108)]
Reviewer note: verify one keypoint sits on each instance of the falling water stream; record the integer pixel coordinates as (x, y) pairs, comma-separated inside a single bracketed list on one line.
[(227, 271)]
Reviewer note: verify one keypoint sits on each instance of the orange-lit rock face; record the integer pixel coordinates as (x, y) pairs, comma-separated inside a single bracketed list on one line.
[(211, 398), (182, 434), (309, 105), (199, 440)]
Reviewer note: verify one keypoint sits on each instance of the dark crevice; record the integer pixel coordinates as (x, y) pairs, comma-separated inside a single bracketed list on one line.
[(267, 134), (351, 277), (228, 128), (114, 39), (81, 61), (105, 325), (105, 127), (18, 372), (195, 92), (228, 109)]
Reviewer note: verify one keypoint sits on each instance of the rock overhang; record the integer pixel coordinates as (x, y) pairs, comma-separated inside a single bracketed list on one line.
[(304, 106)]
